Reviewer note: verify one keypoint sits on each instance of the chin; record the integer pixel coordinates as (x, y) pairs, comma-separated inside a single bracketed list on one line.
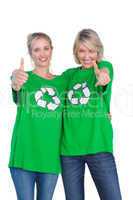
[(43, 65), (87, 66)]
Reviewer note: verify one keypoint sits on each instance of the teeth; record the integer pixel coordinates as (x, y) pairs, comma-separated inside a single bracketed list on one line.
[(87, 61), (43, 60)]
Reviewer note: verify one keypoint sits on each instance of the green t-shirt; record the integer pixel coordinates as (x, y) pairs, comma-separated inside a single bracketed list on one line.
[(37, 132), (87, 128)]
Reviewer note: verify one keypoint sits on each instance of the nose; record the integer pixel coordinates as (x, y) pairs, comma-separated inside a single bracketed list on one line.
[(42, 53), (87, 55)]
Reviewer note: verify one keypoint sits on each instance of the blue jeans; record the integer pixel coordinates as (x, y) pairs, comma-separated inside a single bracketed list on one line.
[(103, 171), (25, 181)]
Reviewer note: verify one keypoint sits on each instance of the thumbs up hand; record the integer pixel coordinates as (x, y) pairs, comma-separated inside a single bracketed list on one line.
[(102, 75), (19, 76)]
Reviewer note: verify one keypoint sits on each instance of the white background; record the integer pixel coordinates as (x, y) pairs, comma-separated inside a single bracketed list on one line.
[(62, 20)]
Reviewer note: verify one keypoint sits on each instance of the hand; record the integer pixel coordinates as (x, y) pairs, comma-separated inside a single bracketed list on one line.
[(19, 76), (102, 75)]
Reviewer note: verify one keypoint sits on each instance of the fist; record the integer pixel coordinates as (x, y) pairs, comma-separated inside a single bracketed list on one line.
[(102, 75), (19, 76)]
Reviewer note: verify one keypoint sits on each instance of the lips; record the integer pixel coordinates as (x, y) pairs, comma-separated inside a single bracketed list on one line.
[(42, 59), (88, 61)]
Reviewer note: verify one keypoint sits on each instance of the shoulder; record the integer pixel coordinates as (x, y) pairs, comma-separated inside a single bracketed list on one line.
[(70, 71), (105, 63)]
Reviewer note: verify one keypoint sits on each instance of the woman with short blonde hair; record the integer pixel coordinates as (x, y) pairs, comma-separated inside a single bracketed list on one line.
[(87, 131), (90, 39)]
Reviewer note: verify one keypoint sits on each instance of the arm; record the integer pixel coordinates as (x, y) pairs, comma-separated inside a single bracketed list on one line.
[(18, 78), (105, 89), (102, 75)]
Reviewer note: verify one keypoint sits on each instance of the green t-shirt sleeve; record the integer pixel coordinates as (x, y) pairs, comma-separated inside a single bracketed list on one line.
[(106, 90), (15, 96)]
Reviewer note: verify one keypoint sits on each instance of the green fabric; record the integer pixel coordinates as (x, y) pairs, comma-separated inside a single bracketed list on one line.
[(37, 132), (87, 128), (15, 96)]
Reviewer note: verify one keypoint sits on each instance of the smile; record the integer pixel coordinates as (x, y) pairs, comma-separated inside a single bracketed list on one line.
[(43, 59)]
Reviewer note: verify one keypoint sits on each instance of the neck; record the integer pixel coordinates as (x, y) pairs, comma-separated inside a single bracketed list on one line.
[(83, 67), (42, 70)]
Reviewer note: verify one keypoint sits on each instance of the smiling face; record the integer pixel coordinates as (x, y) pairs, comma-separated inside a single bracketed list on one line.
[(41, 52), (86, 55), (87, 48)]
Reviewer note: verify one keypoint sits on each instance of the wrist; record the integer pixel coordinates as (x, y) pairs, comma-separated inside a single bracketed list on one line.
[(15, 86)]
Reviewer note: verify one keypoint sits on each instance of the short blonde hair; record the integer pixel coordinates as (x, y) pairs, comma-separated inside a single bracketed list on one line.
[(91, 40), (37, 35)]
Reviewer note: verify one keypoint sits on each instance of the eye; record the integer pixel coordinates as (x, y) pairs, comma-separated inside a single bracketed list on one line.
[(92, 51), (81, 50), (46, 48), (36, 49)]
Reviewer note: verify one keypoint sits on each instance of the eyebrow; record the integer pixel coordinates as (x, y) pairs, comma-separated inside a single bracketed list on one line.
[(39, 47)]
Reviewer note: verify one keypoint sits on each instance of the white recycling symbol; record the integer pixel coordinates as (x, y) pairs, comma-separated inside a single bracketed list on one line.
[(44, 104), (82, 100)]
